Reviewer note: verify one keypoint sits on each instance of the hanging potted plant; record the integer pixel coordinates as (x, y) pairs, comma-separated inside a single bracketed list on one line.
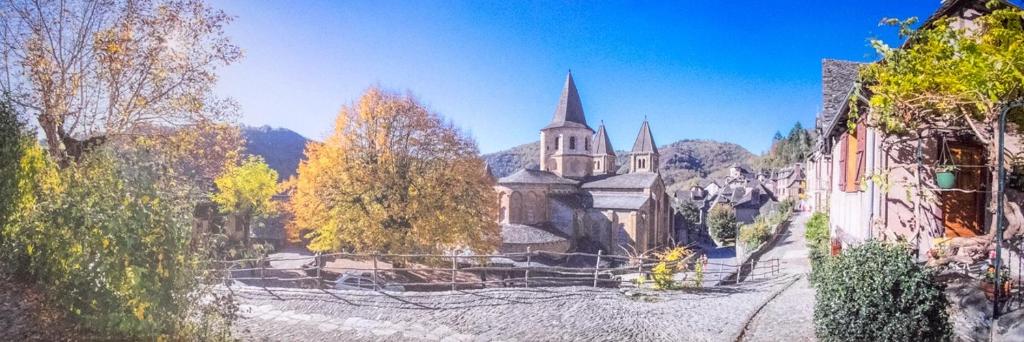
[(945, 172), (945, 176)]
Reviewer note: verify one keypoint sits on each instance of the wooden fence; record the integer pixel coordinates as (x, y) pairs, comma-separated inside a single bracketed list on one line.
[(431, 272)]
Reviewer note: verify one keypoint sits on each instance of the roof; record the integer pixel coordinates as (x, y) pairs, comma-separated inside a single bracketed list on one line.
[(602, 146), (645, 141), (523, 234), (619, 201), (569, 112), (948, 6), (528, 176), (837, 81), (625, 181)]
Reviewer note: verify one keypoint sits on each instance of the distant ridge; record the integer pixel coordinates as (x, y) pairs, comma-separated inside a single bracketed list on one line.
[(281, 148)]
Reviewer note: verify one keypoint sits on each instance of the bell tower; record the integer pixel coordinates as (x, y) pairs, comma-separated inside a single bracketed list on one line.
[(604, 154), (565, 143), (644, 157)]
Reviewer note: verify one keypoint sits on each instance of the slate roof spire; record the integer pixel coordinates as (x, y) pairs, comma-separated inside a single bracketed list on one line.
[(603, 146), (645, 141), (569, 112)]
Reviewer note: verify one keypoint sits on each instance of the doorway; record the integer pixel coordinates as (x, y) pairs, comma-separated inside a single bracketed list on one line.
[(963, 207)]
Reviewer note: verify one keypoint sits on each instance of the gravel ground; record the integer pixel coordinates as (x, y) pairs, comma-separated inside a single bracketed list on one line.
[(547, 314)]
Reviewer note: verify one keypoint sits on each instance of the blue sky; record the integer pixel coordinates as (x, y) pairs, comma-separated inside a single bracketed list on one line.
[(734, 71)]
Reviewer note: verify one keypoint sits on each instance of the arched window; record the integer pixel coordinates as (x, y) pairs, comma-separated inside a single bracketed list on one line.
[(572, 143)]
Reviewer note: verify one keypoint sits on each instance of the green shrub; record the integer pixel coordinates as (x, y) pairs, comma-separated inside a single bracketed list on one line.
[(876, 292), (754, 234), (109, 239), (722, 222), (817, 236)]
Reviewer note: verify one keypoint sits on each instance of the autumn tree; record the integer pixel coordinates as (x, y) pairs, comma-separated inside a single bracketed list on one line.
[(722, 222), (395, 177), (246, 190), (90, 71), (953, 75)]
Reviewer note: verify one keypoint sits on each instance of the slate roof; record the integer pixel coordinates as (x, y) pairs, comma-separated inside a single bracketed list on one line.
[(645, 141), (523, 234), (624, 181), (602, 146), (569, 112), (528, 176), (837, 81), (619, 201), (948, 6)]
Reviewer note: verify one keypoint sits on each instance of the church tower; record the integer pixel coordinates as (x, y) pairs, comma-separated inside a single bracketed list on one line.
[(566, 145), (604, 154), (644, 157)]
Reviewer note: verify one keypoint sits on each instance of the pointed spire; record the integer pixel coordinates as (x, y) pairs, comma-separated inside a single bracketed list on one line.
[(569, 112), (645, 141), (602, 146)]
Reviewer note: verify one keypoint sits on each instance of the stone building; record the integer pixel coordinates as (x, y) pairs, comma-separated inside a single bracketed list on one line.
[(577, 200)]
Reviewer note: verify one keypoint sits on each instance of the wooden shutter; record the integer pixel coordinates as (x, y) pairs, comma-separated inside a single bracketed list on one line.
[(842, 161), (862, 138)]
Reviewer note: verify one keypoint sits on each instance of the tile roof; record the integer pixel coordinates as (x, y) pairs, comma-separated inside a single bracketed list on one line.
[(837, 81), (625, 181), (602, 146), (569, 112), (619, 201), (645, 141), (528, 176)]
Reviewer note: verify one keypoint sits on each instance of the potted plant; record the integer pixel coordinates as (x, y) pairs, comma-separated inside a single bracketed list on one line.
[(988, 282), (945, 176)]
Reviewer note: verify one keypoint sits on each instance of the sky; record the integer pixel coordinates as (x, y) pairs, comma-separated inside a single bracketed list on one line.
[(735, 71)]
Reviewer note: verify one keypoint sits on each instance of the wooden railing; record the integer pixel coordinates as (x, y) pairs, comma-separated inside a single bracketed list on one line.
[(453, 272)]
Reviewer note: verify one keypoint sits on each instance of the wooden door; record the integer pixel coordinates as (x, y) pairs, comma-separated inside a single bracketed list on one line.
[(963, 212)]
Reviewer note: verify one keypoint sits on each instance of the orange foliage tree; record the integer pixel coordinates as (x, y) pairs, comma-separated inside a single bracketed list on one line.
[(394, 177)]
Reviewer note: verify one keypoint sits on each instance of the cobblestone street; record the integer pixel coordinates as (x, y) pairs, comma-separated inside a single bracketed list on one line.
[(789, 316)]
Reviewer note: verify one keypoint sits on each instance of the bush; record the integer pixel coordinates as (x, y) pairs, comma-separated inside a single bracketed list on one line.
[(817, 236), (722, 222), (754, 234), (876, 292), (663, 274), (108, 238)]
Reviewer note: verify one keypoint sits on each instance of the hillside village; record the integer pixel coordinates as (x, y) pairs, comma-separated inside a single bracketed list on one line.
[(151, 214)]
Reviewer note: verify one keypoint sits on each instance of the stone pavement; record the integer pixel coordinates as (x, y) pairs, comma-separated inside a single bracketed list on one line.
[(789, 316)]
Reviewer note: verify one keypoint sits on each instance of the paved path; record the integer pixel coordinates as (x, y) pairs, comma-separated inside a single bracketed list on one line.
[(721, 262), (790, 316), (541, 314)]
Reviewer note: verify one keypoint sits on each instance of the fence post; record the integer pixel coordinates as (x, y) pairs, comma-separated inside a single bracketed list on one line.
[(375, 287), (263, 282), (319, 279), (454, 267), (597, 266), (640, 271), (527, 277)]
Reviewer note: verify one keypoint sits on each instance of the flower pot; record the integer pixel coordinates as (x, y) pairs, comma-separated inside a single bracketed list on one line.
[(990, 290), (945, 180)]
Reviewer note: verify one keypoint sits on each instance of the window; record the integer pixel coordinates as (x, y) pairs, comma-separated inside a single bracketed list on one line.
[(572, 143), (852, 158), (557, 143), (586, 143)]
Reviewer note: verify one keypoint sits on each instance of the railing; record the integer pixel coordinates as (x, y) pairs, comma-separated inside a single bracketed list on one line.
[(431, 272)]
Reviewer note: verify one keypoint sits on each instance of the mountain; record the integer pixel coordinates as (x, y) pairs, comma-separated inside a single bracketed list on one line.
[(281, 148), (681, 161)]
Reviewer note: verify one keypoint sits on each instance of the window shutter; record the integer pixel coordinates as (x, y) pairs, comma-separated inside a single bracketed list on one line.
[(842, 161), (862, 135)]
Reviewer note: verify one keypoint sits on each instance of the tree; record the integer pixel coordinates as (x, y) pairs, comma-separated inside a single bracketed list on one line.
[(786, 151), (953, 75), (89, 71), (722, 222), (394, 177), (246, 191)]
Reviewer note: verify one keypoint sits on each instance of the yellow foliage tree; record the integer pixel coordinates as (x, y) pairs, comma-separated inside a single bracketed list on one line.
[(246, 190), (394, 177)]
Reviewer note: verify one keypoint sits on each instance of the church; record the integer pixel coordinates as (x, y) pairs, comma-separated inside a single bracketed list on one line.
[(577, 200)]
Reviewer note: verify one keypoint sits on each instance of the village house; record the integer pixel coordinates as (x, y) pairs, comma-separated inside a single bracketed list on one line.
[(878, 186), (576, 199)]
